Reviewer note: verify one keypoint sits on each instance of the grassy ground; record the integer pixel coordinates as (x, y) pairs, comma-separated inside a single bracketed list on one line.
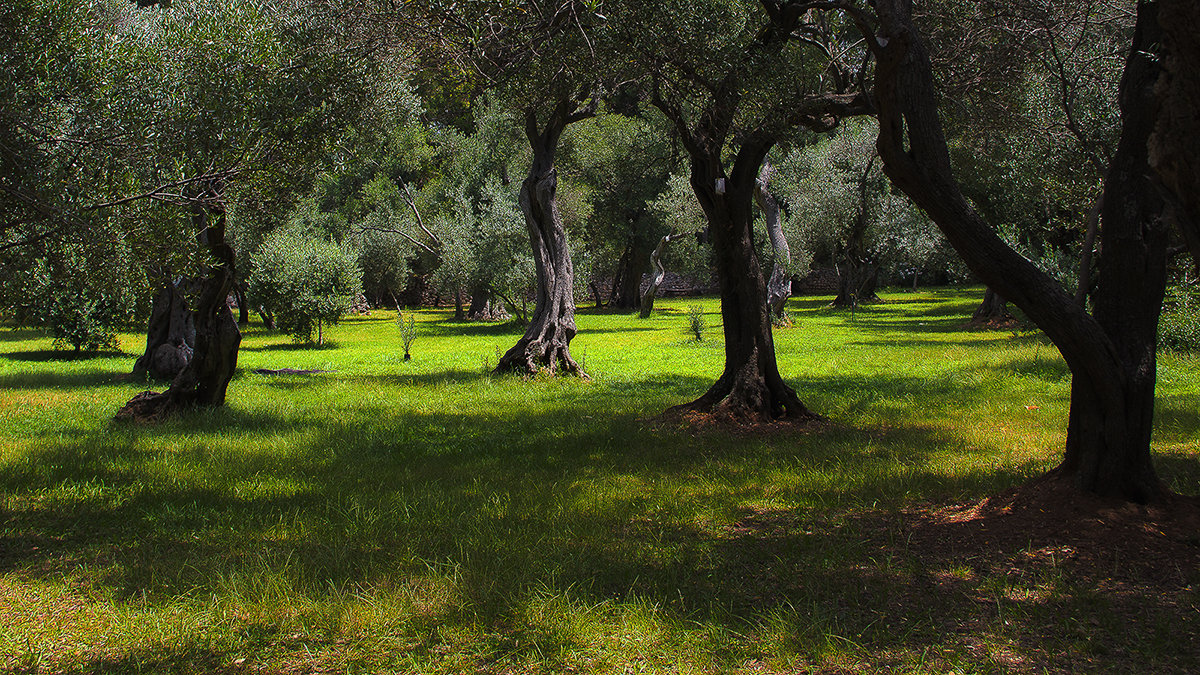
[(423, 516)]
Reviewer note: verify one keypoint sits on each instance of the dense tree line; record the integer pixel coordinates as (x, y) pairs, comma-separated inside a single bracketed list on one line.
[(159, 159)]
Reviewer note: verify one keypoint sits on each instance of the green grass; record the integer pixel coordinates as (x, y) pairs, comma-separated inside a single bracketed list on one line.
[(427, 517)]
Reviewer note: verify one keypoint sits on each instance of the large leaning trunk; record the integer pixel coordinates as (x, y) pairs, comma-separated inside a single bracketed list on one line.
[(171, 334), (204, 380), (546, 343), (1111, 354), (779, 286), (1175, 144)]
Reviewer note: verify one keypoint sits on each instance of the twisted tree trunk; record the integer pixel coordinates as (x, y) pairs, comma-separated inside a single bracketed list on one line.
[(546, 342), (659, 274), (750, 388), (779, 286), (203, 382)]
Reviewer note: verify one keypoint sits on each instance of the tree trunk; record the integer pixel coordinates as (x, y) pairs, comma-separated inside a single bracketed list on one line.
[(993, 311), (459, 313), (170, 336), (858, 282), (239, 291), (484, 306), (203, 382), (596, 295), (860, 279), (750, 388), (779, 286), (627, 285), (655, 281), (1111, 355), (547, 339)]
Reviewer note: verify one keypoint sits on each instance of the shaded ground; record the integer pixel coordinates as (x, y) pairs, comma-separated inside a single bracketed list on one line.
[(1047, 569)]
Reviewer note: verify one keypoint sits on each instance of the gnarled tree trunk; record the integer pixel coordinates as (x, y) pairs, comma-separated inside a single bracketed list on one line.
[(203, 382), (1111, 354), (858, 275), (779, 286), (546, 342), (170, 336), (484, 306)]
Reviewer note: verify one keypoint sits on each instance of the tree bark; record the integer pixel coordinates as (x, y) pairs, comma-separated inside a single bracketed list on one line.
[(779, 286), (858, 276), (170, 336), (1175, 144), (483, 305), (203, 382), (547, 339), (659, 274), (1111, 354)]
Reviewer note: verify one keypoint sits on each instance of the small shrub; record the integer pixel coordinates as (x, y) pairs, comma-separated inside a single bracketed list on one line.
[(408, 332), (696, 321), (306, 283), (84, 323)]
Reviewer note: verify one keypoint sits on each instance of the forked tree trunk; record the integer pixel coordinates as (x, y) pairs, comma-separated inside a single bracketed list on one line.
[(750, 387), (858, 282), (659, 272), (547, 339), (858, 275), (1111, 355), (203, 382), (170, 336), (779, 286)]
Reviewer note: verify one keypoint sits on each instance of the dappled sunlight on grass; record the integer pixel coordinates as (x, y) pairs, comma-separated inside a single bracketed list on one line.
[(428, 516)]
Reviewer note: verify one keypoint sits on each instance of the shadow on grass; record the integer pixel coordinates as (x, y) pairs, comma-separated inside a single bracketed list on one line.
[(61, 355), (79, 380), (582, 501), (330, 345), (472, 328)]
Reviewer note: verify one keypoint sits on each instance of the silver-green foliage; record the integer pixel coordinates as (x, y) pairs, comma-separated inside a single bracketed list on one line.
[(307, 283)]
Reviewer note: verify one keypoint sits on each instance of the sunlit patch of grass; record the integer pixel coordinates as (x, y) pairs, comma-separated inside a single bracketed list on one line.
[(426, 516)]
